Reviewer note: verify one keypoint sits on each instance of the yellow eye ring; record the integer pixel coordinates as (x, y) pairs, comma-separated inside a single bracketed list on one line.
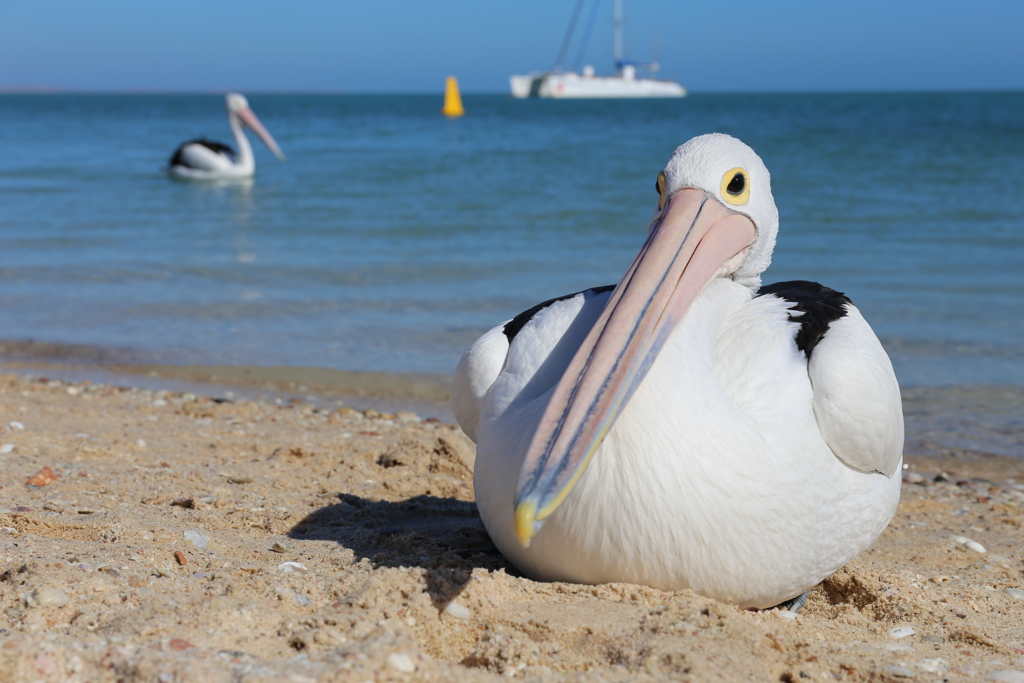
[(736, 187), (661, 185)]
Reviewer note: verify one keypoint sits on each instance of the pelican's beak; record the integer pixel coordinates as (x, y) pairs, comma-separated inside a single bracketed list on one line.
[(249, 119), (690, 242)]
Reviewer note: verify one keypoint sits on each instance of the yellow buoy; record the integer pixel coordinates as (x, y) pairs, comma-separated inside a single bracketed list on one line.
[(452, 99)]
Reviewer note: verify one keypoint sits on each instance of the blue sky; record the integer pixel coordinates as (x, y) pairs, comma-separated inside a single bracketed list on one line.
[(405, 46)]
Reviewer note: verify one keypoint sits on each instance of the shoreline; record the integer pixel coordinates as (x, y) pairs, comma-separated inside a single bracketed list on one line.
[(986, 418), (179, 537), (383, 392), (424, 393)]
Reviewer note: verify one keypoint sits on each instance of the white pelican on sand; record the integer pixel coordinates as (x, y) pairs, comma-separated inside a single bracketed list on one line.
[(688, 428), (202, 159)]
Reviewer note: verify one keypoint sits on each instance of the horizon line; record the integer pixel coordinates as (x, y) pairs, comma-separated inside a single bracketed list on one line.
[(58, 90)]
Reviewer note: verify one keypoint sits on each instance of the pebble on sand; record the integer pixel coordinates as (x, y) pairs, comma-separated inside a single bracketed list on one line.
[(456, 610), (196, 537), (1007, 676), (1015, 593), (901, 632), (180, 557), (291, 567), (900, 672), (400, 662), (180, 645), (51, 597), (43, 477), (933, 666), (6, 448), (969, 544)]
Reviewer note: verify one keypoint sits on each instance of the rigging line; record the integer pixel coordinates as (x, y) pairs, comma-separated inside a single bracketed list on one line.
[(586, 34), (568, 34)]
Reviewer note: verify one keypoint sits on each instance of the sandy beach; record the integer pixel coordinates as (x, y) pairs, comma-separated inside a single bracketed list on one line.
[(159, 536)]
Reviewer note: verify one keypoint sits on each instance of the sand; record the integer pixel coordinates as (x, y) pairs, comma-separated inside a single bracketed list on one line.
[(188, 539)]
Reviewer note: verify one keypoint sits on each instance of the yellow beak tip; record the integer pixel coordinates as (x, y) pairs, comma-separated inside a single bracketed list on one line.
[(526, 514)]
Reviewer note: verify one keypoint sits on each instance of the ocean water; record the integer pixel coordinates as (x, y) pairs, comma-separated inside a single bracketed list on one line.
[(392, 236)]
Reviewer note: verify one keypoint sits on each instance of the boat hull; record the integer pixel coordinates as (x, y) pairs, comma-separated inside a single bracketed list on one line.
[(574, 86)]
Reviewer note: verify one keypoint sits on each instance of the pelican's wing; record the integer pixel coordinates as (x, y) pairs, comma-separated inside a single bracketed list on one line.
[(536, 331), (202, 154), (479, 366), (857, 401)]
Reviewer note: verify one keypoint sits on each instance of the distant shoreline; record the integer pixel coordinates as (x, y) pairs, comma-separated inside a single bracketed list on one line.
[(940, 420), (59, 90)]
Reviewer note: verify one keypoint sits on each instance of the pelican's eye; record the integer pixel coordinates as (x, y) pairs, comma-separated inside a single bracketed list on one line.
[(661, 185), (736, 187)]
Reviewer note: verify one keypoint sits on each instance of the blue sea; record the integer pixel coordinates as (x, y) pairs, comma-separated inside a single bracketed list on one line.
[(392, 236)]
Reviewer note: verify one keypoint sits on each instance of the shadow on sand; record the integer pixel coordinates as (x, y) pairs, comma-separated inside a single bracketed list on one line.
[(444, 536)]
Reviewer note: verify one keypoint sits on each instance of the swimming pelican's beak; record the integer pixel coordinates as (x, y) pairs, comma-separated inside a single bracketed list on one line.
[(249, 119), (690, 242)]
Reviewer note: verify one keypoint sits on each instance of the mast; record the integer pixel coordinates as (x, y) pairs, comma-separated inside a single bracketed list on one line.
[(618, 36), (568, 35)]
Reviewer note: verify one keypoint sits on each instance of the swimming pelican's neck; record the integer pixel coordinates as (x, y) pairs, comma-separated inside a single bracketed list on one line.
[(245, 157)]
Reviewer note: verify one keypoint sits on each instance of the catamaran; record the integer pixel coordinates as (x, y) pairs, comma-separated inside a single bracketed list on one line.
[(626, 82)]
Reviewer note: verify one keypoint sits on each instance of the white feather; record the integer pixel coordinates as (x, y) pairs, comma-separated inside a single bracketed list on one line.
[(479, 366), (857, 399)]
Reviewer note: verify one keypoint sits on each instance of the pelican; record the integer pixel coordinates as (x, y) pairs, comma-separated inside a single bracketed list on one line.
[(688, 428), (202, 159)]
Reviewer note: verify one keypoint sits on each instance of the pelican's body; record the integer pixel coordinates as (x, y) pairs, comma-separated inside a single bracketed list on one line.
[(754, 456), (202, 159)]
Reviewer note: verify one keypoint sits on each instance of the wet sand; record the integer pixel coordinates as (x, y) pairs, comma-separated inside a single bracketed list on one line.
[(428, 392), (177, 537)]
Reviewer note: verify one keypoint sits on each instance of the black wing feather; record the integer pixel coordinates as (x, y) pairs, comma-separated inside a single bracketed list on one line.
[(820, 305), (513, 326), (178, 159)]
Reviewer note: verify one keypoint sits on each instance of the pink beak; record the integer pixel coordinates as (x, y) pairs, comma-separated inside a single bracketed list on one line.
[(249, 118), (694, 236)]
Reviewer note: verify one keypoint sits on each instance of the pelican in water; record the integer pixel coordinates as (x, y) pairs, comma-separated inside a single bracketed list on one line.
[(202, 159), (688, 428)]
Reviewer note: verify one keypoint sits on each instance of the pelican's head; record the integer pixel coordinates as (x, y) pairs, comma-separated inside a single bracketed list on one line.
[(730, 172), (235, 102), (238, 108), (715, 218)]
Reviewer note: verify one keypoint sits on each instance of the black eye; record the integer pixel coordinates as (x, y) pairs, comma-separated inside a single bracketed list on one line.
[(737, 184)]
